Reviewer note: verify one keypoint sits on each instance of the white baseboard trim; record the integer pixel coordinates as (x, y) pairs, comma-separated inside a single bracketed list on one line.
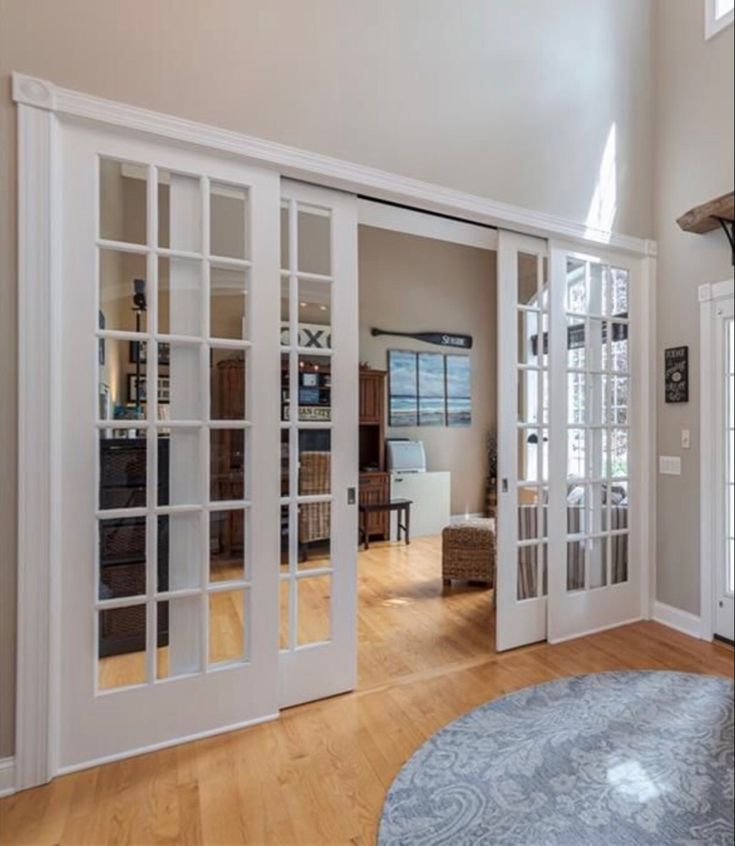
[(597, 630), (7, 776), (166, 744), (675, 618), (461, 518)]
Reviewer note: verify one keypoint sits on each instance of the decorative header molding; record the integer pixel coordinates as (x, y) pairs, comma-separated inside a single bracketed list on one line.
[(324, 170)]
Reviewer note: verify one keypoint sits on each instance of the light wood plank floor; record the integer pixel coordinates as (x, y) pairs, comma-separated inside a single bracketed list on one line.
[(319, 774)]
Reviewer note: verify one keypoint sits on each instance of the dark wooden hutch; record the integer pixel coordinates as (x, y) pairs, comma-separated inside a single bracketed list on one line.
[(374, 480)]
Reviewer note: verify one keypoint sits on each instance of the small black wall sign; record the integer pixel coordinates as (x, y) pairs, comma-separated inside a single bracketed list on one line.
[(676, 376)]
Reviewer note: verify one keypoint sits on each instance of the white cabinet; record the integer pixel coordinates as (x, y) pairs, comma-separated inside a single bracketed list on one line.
[(430, 497)]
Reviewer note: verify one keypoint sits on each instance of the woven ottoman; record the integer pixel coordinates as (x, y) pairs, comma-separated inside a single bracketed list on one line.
[(468, 552)]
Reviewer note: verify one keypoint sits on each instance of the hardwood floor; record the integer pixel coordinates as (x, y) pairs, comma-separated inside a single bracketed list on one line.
[(318, 775)]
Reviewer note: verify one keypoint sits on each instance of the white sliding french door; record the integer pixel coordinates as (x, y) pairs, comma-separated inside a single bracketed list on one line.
[(569, 424), (207, 440), (523, 439), (318, 427), (594, 580)]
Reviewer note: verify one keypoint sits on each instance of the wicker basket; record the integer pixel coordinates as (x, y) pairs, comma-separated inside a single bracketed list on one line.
[(468, 552)]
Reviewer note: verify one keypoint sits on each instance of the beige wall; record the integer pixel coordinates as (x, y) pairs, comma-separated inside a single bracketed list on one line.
[(489, 96), (413, 284), (694, 163)]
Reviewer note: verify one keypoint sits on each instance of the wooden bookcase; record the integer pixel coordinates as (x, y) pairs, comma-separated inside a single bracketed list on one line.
[(374, 481)]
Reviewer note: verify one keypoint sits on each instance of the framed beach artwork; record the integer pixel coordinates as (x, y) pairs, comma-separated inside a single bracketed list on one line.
[(429, 389)]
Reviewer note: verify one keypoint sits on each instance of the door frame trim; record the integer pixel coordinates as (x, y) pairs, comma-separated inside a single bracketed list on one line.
[(41, 106), (708, 295)]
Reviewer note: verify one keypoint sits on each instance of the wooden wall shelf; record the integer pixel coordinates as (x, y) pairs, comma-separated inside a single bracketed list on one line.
[(709, 216)]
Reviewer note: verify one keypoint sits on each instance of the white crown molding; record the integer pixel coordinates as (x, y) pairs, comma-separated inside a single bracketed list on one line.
[(314, 167)]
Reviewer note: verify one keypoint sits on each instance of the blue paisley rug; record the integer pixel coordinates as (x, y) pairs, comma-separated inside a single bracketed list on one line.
[(612, 758)]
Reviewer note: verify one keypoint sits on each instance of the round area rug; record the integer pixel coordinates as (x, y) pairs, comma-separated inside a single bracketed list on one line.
[(611, 758)]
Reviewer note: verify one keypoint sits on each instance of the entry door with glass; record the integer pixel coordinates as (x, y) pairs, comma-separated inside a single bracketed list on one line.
[(724, 558), (169, 452), (523, 439), (319, 447), (594, 580)]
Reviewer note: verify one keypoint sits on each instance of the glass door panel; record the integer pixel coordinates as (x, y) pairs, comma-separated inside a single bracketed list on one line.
[(594, 583), (318, 322), (181, 248), (523, 367)]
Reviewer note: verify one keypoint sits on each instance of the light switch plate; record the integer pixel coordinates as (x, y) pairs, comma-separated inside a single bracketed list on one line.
[(669, 465), (686, 439)]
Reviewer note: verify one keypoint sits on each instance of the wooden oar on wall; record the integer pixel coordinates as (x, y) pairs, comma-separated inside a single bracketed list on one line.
[(440, 339)]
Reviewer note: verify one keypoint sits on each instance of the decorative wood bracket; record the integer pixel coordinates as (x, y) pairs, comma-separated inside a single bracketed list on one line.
[(709, 216)]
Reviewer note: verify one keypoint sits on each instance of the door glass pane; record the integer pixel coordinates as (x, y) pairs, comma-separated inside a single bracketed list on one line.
[(123, 468), (227, 384), (285, 387), (179, 212), (618, 452), (285, 312), (618, 499), (180, 382), (576, 398), (315, 314), (284, 613), (576, 453), (528, 525), (227, 464), (315, 388), (122, 557), (576, 295), (528, 280), (179, 296), (315, 473), (229, 303), (617, 299), (123, 291), (121, 647), (528, 585), (528, 337), (576, 509), (314, 240), (179, 551), (227, 616), (179, 475), (576, 346), (598, 562), (528, 454), (314, 535), (285, 539), (229, 226), (123, 202), (180, 653), (619, 559), (575, 564), (285, 236), (619, 347), (227, 544), (528, 382), (314, 599)]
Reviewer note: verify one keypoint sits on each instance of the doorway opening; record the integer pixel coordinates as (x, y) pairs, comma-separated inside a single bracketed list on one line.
[(428, 436)]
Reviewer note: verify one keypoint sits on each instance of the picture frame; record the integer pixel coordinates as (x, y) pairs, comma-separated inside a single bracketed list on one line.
[(138, 389), (141, 348)]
